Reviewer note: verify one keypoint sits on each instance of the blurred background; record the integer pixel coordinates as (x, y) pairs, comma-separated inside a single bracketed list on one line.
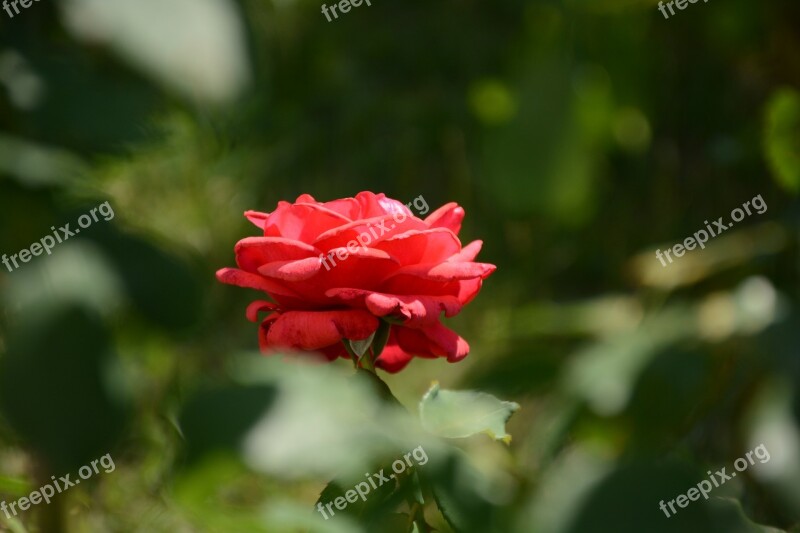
[(580, 136)]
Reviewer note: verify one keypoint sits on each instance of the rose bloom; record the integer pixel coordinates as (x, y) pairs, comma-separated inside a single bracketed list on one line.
[(333, 269)]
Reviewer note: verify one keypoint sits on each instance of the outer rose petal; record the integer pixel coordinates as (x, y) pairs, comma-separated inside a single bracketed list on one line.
[(313, 330), (432, 341), (252, 252), (259, 305), (416, 309), (240, 278), (468, 253), (257, 218), (305, 199), (393, 359), (291, 270), (448, 216), (447, 271)]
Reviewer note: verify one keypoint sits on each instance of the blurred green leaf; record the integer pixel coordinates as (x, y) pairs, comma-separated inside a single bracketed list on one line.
[(782, 138), (54, 388), (194, 46), (354, 428), (161, 286), (465, 496), (288, 516), (36, 165), (638, 488), (217, 420), (14, 486), (728, 516), (219, 494)]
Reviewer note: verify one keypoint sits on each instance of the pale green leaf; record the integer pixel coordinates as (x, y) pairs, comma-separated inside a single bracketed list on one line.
[(459, 414)]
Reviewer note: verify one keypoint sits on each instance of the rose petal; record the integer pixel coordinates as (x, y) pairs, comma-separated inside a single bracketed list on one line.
[(252, 252), (257, 218), (415, 247), (434, 340), (305, 199), (347, 207), (365, 232), (448, 216), (312, 330), (393, 359), (240, 278), (448, 271), (302, 222), (416, 309), (256, 307), (300, 270), (467, 254)]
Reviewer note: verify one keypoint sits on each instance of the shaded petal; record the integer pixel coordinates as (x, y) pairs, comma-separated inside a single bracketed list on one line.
[(405, 284), (434, 340), (468, 290), (393, 358), (256, 307), (334, 351), (416, 309), (313, 330)]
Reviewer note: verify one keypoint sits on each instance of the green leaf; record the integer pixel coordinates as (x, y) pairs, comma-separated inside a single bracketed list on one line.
[(729, 517), (459, 414), (782, 138), (219, 493), (165, 46), (381, 337), (464, 495), (14, 486), (49, 388), (361, 347), (216, 420), (353, 426)]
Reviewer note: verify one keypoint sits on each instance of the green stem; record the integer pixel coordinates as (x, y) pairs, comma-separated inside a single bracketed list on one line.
[(368, 363)]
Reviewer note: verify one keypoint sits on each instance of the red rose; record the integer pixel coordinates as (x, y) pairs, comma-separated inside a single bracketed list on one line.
[(335, 268)]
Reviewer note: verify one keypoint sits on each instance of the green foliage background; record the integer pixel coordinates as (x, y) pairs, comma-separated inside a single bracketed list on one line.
[(580, 136)]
